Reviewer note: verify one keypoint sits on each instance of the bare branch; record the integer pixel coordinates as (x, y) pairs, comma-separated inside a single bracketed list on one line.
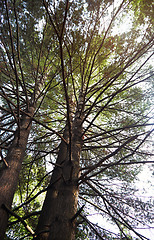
[(19, 218)]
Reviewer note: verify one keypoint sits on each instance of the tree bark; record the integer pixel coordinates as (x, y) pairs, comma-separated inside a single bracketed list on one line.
[(61, 200), (9, 175)]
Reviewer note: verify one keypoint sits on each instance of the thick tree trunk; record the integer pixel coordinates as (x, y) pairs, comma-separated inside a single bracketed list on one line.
[(9, 175), (60, 204)]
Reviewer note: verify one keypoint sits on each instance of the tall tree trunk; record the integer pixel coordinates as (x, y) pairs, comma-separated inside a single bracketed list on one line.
[(60, 204), (9, 175)]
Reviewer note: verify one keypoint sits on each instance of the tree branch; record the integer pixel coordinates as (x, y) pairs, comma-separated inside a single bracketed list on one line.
[(19, 218)]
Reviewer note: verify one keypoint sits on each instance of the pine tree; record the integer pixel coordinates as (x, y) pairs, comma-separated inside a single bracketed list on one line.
[(74, 94)]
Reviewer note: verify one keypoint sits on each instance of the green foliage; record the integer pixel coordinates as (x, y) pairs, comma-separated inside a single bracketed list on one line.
[(143, 10)]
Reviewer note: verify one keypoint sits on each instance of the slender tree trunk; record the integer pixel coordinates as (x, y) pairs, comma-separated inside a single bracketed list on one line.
[(9, 175), (60, 204)]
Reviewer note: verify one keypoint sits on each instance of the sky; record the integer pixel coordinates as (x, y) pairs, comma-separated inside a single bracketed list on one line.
[(145, 186)]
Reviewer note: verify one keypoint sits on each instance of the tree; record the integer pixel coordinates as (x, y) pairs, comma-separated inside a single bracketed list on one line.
[(80, 84), (18, 94)]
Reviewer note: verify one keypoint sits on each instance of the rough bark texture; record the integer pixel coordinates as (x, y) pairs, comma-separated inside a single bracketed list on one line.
[(60, 204), (9, 175)]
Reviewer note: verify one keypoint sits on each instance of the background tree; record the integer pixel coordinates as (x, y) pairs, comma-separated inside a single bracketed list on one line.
[(86, 89)]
